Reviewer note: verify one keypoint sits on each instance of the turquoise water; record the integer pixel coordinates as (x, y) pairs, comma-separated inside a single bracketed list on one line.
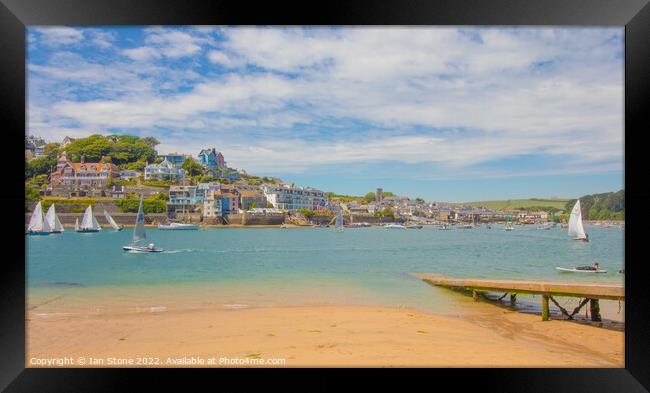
[(301, 265)]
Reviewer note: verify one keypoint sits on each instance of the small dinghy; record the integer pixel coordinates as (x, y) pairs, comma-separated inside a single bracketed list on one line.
[(581, 269), (576, 230), (53, 221), (38, 225), (139, 236), (89, 222), (112, 221)]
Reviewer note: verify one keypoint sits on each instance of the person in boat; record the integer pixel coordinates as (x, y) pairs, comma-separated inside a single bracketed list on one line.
[(595, 266), (150, 246)]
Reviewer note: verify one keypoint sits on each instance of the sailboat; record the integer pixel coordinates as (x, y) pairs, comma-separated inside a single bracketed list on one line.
[(576, 230), (53, 220), (89, 222), (111, 221), (139, 236), (37, 224), (339, 221)]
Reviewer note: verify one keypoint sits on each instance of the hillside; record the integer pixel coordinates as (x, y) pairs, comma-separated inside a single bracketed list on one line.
[(511, 204), (605, 206)]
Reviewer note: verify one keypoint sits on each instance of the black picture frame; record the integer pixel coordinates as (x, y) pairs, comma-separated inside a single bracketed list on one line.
[(15, 15)]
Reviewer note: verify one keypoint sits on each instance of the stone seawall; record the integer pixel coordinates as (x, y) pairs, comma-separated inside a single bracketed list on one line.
[(255, 219), (68, 219), (320, 220)]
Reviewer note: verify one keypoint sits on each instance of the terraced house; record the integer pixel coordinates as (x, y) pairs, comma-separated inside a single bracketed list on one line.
[(290, 197), (81, 178)]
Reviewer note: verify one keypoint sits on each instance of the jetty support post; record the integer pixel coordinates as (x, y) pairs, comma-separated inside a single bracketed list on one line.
[(475, 295), (513, 298), (594, 307), (545, 314)]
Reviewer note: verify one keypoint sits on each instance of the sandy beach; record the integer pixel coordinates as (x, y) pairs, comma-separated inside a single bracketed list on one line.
[(321, 335)]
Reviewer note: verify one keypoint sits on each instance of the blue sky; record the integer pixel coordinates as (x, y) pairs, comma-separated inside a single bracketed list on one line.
[(447, 114)]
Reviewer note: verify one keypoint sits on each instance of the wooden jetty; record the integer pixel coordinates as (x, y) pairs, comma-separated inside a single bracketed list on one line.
[(590, 292)]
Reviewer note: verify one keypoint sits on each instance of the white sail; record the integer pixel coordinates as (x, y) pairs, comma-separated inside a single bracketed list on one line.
[(36, 222), (96, 223), (53, 220), (76, 224), (89, 221), (111, 221), (138, 231), (339, 219), (576, 230), (46, 226)]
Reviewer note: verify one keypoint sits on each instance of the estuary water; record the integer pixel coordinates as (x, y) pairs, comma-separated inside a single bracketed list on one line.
[(242, 267)]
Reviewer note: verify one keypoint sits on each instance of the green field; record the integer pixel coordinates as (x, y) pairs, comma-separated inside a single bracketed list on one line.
[(519, 203)]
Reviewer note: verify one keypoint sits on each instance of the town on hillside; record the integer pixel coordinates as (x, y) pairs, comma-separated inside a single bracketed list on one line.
[(113, 171)]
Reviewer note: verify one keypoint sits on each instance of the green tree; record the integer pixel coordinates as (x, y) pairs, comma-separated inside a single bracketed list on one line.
[(605, 206), (387, 212), (31, 194), (51, 150), (150, 141), (150, 205), (136, 166), (307, 213), (39, 166), (121, 148), (192, 168), (370, 197)]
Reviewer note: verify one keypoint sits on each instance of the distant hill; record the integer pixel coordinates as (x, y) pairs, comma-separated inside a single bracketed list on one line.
[(605, 206), (529, 204)]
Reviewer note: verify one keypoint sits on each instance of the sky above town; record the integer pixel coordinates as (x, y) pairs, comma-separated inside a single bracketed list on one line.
[(446, 114)]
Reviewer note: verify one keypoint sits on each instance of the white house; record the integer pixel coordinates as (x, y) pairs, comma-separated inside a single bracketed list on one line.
[(165, 170), (289, 197)]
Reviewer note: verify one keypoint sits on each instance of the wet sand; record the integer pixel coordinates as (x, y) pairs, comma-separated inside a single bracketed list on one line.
[(322, 335)]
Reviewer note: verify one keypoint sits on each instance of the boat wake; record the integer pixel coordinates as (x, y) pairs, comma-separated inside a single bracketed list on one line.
[(177, 251)]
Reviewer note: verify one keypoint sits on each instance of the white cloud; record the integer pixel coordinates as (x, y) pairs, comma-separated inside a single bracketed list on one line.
[(102, 39), (169, 43), (219, 57), (142, 53), (60, 36), (449, 97)]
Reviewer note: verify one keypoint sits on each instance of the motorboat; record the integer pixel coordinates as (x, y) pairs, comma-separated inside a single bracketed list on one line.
[(178, 226)]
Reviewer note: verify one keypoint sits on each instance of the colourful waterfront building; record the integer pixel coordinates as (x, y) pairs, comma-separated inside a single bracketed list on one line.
[(229, 202), (290, 197), (212, 204), (183, 200)]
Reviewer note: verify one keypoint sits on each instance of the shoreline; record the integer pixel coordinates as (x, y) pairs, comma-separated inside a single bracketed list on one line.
[(327, 335)]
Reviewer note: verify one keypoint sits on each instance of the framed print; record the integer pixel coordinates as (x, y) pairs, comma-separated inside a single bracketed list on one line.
[(424, 186)]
